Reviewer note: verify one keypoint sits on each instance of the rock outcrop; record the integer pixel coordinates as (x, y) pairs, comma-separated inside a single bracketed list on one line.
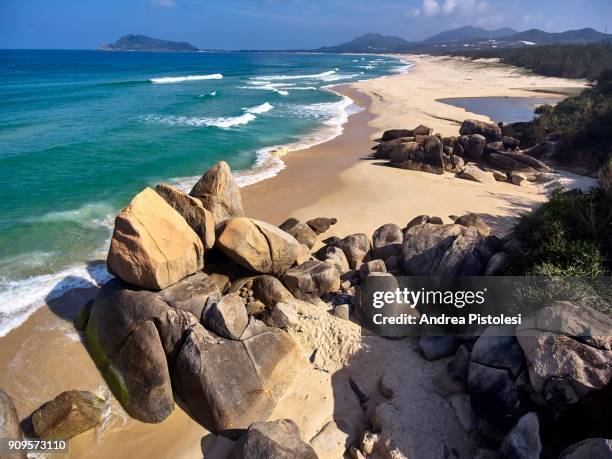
[(302, 232), (591, 448), (496, 365), (9, 424), (130, 351), (67, 415), (254, 373), (321, 224), (192, 210), (219, 192), (523, 441), (152, 245), (257, 245), (192, 294), (475, 174), (568, 352), (491, 131), (270, 291), (443, 250), (273, 440), (228, 318), (313, 277)]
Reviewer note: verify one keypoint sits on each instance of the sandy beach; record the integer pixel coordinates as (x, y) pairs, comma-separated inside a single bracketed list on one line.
[(46, 355)]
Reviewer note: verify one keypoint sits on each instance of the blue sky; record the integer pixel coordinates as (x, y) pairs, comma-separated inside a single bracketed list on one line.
[(270, 24)]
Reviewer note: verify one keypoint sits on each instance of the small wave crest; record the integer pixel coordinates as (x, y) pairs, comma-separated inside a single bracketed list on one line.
[(263, 108), (181, 79), (315, 76), (88, 215), (223, 122)]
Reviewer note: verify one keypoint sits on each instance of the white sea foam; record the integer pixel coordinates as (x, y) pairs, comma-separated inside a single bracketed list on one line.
[(20, 299), (193, 121), (223, 122), (315, 76), (263, 108), (169, 80), (331, 75), (268, 86), (210, 94)]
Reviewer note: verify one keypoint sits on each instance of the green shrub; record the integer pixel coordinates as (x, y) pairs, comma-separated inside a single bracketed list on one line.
[(570, 235)]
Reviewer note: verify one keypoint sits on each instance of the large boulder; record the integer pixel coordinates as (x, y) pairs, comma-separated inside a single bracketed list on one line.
[(302, 232), (523, 441), (568, 354), (270, 291), (152, 244), (397, 133), (474, 147), (257, 245), (387, 241), (313, 277), (131, 335), (67, 415), (473, 220), (273, 440), (200, 220), (475, 174), (383, 150), (192, 294), (513, 161), (443, 250), (405, 151), (334, 256), (496, 366), (9, 424), (426, 155), (591, 448), (228, 384), (228, 318), (219, 192), (355, 247), (491, 131), (321, 224)]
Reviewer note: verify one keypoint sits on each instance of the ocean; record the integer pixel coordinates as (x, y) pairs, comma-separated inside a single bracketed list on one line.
[(81, 132)]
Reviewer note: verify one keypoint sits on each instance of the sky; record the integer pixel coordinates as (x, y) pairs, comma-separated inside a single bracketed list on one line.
[(277, 24)]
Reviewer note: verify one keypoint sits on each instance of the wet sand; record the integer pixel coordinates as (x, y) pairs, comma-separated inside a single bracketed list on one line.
[(45, 355)]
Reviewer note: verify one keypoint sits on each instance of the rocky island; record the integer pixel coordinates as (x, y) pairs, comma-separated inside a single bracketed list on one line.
[(143, 43)]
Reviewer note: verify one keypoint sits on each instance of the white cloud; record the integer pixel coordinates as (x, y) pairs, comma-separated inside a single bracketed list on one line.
[(432, 8), (163, 3)]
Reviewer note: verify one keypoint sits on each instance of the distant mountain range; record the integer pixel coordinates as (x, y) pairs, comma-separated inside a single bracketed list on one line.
[(470, 33), (464, 38), (142, 43), (467, 38)]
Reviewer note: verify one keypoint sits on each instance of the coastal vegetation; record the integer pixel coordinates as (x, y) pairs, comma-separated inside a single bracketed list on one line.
[(579, 126), (569, 235), (559, 60)]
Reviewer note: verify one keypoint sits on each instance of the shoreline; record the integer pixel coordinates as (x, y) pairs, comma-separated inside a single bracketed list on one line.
[(331, 179)]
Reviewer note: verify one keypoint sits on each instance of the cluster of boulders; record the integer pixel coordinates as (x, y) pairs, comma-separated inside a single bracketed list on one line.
[(173, 323), (534, 391), (480, 153), (204, 296)]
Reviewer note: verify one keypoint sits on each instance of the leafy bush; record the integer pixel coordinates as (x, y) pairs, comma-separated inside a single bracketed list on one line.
[(570, 235)]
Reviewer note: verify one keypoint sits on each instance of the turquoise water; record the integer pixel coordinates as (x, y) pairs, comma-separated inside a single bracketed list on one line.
[(503, 109), (82, 131)]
